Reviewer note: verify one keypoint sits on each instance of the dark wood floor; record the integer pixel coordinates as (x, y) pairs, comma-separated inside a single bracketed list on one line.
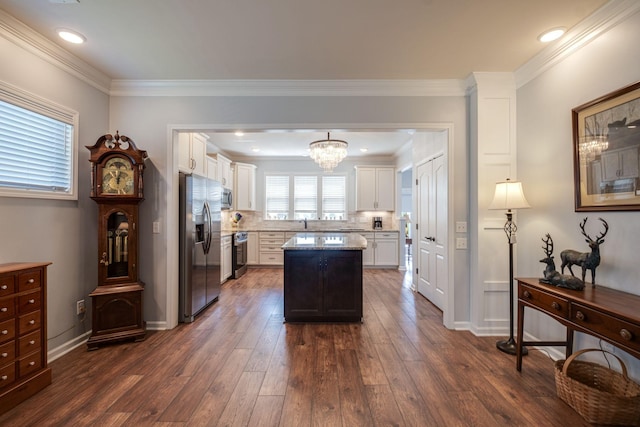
[(239, 364)]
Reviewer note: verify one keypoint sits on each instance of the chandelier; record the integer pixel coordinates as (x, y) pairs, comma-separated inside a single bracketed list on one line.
[(328, 152), (592, 146)]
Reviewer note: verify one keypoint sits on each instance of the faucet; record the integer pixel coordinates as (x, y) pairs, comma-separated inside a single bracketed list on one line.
[(305, 223)]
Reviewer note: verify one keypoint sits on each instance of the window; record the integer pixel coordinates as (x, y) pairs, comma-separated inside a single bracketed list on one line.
[(334, 197), (277, 197), (296, 197), (37, 150), (305, 197)]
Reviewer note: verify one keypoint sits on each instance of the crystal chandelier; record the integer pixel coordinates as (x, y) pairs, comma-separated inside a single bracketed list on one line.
[(328, 152), (592, 146)]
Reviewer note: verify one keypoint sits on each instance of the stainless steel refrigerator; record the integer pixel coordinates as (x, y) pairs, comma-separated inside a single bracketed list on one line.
[(200, 206)]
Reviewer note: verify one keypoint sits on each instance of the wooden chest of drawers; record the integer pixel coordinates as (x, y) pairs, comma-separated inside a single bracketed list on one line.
[(23, 332)]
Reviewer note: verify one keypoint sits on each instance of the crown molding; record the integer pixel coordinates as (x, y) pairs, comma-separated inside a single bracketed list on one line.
[(596, 24), (23, 36), (444, 87)]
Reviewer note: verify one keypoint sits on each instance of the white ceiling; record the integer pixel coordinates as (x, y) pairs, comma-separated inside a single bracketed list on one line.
[(301, 40)]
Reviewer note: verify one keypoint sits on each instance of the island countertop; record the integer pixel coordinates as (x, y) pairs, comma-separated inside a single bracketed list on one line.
[(326, 241)]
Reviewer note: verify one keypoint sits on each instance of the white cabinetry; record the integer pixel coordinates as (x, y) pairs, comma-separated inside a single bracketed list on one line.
[(271, 248), (382, 249), (192, 153), (386, 249), (375, 188), (212, 168), (620, 164), (253, 248), (245, 187), (368, 253), (224, 175), (225, 258)]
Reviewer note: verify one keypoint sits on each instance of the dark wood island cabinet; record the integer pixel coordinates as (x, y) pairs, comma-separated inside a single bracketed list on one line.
[(323, 277)]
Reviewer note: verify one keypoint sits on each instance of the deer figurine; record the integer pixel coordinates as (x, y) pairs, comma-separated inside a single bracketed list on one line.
[(551, 276), (586, 260)]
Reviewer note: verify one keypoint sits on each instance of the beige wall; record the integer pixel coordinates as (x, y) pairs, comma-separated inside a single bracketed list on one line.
[(545, 167)]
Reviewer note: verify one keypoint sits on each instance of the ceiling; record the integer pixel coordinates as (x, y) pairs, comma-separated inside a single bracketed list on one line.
[(301, 40)]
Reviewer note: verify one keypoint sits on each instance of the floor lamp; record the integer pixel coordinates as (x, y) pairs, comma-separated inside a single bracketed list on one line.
[(509, 196)]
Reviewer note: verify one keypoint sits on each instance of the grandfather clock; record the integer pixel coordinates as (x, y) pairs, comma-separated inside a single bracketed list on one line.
[(117, 188)]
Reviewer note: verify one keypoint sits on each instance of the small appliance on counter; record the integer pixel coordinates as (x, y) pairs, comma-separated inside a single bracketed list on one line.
[(377, 223)]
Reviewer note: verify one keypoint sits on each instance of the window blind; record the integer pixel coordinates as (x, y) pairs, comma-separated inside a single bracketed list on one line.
[(36, 145), (334, 197), (305, 197), (276, 197)]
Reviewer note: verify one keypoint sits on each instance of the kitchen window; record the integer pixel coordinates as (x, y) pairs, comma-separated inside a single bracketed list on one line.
[(37, 147), (300, 197)]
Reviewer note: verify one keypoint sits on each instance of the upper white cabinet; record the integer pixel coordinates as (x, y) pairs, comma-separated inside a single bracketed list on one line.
[(212, 168), (620, 164), (224, 171), (244, 195), (375, 188), (192, 154)]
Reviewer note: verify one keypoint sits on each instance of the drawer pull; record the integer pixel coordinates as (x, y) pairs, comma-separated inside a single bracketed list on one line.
[(31, 281), (626, 334), (4, 309), (555, 305), (32, 342), (4, 377), (4, 287), (5, 332), (580, 315), (527, 294), (4, 354), (32, 363), (32, 322)]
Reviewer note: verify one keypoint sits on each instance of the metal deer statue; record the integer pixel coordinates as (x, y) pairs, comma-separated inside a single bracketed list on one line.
[(551, 276), (586, 260)]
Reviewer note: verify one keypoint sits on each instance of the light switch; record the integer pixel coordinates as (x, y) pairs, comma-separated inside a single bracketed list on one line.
[(461, 227), (156, 227)]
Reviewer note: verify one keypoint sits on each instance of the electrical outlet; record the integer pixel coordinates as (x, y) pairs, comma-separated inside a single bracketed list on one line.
[(461, 243), (461, 227), (80, 308)]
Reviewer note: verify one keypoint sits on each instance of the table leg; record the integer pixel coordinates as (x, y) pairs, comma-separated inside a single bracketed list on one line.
[(519, 336)]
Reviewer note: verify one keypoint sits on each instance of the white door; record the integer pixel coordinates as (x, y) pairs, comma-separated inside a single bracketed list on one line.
[(432, 230)]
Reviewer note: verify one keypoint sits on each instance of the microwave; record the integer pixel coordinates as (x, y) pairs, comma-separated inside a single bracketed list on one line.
[(227, 198)]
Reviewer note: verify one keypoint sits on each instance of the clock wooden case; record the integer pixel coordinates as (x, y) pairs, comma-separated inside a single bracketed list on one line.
[(117, 187)]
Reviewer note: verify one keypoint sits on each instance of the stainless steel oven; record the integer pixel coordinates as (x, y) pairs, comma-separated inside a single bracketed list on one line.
[(239, 254)]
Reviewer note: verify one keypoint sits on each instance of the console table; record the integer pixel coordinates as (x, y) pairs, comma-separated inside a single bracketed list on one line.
[(608, 314)]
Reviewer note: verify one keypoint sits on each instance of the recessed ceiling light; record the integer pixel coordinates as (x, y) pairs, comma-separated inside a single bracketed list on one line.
[(71, 36), (364, 150), (255, 149), (551, 35), (239, 133)]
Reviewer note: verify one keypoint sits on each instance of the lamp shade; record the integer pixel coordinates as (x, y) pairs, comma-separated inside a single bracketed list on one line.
[(509, 195)]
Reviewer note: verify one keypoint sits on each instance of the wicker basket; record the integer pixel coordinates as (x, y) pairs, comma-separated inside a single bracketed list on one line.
[(599, 394)]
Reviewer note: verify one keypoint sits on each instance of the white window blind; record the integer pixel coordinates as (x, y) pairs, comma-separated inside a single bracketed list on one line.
[(276, 197), (36, 147), (305, 197), (334, 197)]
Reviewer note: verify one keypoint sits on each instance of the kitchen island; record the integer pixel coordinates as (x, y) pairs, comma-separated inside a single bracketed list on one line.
[(323, 277)]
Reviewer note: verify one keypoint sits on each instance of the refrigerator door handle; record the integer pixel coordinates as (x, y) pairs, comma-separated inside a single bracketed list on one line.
[(207, 233)]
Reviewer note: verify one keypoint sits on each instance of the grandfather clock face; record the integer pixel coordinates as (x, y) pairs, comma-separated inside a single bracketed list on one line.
[(117, 176)]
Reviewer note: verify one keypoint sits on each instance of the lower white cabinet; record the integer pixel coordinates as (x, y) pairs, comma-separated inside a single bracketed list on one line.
[(386, 248), (225, 258), (253, 248), (382, 249), (271, 252)]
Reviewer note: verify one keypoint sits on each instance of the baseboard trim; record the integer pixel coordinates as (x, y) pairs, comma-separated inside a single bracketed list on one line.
[(65, 348)]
